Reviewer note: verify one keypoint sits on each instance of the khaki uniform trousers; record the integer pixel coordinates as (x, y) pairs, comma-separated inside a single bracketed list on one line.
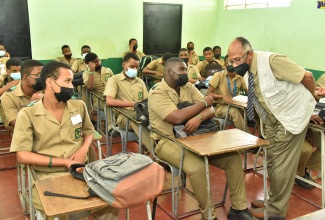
[(121, 122), (194, 167), (235, 114), (282, 157), (310, 158), (106, 213)]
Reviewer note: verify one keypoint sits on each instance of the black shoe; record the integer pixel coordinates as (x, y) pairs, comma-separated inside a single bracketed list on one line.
[(94, 123), (304, 184), (240, 215)]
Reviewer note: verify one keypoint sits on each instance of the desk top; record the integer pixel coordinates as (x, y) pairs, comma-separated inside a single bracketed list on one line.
[(316, 126), (234, 103), (56, 206), (127, 113), (221, 142)]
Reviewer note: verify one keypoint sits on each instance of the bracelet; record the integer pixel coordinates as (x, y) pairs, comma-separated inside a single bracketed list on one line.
[(50, 163), (206, 104), (90, 73), (200, 117)]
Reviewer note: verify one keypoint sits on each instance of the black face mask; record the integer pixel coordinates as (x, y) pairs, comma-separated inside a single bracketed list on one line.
[(135, 47), (182, 79), (217, 55), (98, 68), (65, 94), (230, 68), (38, 85), (68, 56), (242, 69), (185, 60), (190, 48)]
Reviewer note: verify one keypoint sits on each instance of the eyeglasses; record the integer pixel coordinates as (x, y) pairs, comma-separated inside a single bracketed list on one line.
[(35, 74), (236, 60)]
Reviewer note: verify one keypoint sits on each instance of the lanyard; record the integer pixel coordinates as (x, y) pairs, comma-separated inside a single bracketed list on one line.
[(233, 93)]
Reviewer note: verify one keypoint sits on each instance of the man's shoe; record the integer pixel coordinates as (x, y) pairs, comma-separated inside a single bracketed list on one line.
[(258, 204), (304, 184), (259, 213), (240, 215)]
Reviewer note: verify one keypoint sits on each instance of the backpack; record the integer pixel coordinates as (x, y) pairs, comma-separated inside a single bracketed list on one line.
[(124, 180), (145, 61), (141, 112)]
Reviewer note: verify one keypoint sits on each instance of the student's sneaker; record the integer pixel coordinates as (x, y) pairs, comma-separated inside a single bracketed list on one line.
[(240, 215), (304, 184)]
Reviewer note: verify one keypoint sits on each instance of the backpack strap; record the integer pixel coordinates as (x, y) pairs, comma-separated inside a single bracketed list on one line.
[(74, 173)]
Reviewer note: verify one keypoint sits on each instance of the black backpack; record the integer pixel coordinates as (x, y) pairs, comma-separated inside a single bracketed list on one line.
[(145, 61)]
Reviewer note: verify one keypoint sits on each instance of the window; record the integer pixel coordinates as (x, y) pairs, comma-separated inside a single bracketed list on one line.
[(245, 4)]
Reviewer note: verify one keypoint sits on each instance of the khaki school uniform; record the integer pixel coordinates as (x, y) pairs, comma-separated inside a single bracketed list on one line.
[(63, 60), (79, 65), (195, 59), (284, 150), (157, 65), (162, 101), (220, 61), (4, 79), (193, 73), (120, 88), (12, 102), (201, 66), (38, 131), (3, 61), (138, 53), (321, 81), (220, 81)]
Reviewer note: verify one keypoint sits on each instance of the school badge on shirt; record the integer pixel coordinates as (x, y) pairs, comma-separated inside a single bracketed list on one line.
[(77, 133), (140, 94)]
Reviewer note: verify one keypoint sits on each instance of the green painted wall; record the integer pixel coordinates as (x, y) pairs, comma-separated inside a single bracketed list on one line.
[(296, 31)]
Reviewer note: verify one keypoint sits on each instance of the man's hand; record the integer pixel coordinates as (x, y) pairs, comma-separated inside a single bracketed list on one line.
[(227, 99), (209, 100), (192, 52), (316, 119), (80, 155), (320, 91), (91, 66), (192, 125)]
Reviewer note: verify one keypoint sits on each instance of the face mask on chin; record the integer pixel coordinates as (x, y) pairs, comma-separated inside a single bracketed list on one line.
[(65, 94)]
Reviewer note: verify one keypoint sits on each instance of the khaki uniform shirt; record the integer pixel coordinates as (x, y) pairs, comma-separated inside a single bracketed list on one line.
[(282, 68), (157, 65), (119, 87), (138, 53), (12, 102), (201, 66), (220, 61), (63, 60), (79, 66), (163, 100), (321, 81), (38, 131), (193, 72), (3, 61), (3, 79), (195, 59), (100, 81)]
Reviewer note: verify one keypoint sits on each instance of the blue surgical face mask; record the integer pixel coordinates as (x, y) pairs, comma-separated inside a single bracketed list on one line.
[(2, 53), (131, 73), (15, 76)]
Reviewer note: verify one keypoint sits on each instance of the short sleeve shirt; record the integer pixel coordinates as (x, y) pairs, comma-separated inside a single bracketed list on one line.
[(38, 131), (63, 60), (3, 79), (195, 59), (163, 100), (3, 61), (157, 65), (100, 80), (321, 81), (193, 72), (138, 53), (220, 61), (201, 66), (79, 66)]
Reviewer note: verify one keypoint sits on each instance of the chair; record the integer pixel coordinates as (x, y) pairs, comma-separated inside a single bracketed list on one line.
[(175, 172)]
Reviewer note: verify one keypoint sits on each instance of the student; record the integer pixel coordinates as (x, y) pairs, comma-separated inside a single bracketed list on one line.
[(217, 56), (12, 76), (4, 57), (193, 57), (164, 114), (25, 92), (192, 72), (156, 67), (207, 53), (225, 85), (79, 65), (278, 86), (67, 56), (124, 90), (55, 132), (133, 48)]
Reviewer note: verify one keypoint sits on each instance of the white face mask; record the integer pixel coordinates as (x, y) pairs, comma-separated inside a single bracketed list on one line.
[(84, 55), (2, 53), (15, 76), (131, 73)]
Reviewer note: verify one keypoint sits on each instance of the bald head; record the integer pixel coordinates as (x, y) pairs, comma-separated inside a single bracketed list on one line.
[(237, 50)]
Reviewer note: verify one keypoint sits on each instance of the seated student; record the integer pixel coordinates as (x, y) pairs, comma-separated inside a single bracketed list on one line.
[(192, 72), (55, 132), (156, 67), (12, 76), (211, 69), (310, 158), (25, 92), (124, 90), (207, 53), (67, 56), (164, 114), (4, 57), (133, 46), (217, 56), (224, 85), (193, 57), (79, 65)]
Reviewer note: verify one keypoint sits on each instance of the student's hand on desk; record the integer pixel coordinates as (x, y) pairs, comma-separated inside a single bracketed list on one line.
[(79, 156), (192, 125), (320, 91), (316, 119), (91, 66), (227, 98)]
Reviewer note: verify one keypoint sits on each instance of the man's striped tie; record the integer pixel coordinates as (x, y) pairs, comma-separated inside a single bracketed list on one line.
[(250, 102)]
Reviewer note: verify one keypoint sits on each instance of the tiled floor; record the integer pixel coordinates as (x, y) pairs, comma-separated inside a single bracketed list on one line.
[(301, 201)]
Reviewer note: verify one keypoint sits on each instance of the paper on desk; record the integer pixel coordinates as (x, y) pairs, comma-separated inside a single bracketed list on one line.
[(240, 98)]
